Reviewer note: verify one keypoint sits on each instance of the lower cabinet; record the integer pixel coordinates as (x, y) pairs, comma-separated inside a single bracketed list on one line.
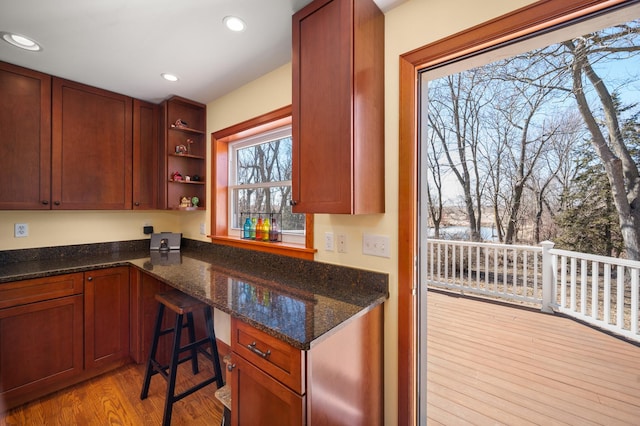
[(338, 381), (41, 336), (60, 330), (106, 318), (144, 309), (257, 397)]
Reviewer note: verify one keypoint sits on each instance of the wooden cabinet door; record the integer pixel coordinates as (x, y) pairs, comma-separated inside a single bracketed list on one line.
[(338, 108), (322, 128), (258, 399), (25, 137), (106, 316), (145, 155), (92, 148), (40, 346)]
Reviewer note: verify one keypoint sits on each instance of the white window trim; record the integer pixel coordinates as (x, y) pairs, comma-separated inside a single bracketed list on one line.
[(294, 237)]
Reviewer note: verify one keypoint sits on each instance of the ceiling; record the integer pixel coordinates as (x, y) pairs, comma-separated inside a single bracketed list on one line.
[(124, 45)]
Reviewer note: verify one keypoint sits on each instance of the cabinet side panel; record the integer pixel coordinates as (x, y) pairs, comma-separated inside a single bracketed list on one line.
[(368, 108), (345, 375)]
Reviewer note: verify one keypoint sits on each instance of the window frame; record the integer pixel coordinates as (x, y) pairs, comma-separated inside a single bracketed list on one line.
[(280, 133), (537, 16), (220, 141)]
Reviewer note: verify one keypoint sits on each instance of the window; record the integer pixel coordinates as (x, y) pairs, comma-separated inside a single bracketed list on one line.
[(260, 185), (251, 170)]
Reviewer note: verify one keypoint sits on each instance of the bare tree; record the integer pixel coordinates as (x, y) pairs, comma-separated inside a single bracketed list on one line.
[(434, 183), (455, 121), (606, 136)]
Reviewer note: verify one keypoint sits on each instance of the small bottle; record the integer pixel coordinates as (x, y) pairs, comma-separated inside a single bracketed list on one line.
[(259, 229), (265, 229), (246, 230), (273, 233), (253, 228)]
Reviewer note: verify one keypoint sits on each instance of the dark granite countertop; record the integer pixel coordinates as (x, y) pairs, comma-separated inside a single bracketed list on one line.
[(294, 300)]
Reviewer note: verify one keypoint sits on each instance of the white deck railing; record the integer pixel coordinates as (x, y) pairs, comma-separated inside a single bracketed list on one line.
[(602, 291)]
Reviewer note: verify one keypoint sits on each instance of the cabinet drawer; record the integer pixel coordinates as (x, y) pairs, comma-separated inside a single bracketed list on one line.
[(29, 291), (273, 356)]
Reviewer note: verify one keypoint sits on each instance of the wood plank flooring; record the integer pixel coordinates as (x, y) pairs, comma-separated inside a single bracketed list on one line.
[(491, 363), (114, 399)]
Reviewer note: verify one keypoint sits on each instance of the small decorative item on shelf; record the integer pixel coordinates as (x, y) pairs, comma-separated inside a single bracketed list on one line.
[(261, 226), (195, 178), (181, 149), (195, 201), (179, 123), (185, 201), (189, 142), (187, 178), (176, 177)]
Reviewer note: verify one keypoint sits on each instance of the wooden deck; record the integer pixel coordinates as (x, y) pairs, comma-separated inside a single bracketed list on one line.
[(490, 363)]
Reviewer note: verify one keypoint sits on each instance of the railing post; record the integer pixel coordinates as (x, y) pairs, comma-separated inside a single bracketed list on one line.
[(547, 276)]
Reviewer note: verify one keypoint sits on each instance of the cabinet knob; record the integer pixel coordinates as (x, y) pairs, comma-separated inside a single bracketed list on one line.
[(89, 278), (292, 202), (45, 202), (230, 367), (136, 204), (57, 203)]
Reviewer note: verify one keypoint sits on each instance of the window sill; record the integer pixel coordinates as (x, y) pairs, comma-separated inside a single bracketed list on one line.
[(284, 249)]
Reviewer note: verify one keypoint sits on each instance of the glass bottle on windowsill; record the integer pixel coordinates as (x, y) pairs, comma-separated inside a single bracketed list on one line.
[(246, 229), (273, 232)]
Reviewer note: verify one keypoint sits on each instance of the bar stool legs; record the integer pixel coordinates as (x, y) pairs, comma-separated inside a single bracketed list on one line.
[(182, 305)]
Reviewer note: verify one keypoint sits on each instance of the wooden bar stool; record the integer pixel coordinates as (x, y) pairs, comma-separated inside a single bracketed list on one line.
[(181, 304)]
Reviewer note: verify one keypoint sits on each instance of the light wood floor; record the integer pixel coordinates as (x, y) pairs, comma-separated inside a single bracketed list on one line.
[(114, 399), (491, 364)]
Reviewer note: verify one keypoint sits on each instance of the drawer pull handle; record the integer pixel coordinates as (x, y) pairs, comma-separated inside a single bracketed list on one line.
[(252, 348), (230, 366)]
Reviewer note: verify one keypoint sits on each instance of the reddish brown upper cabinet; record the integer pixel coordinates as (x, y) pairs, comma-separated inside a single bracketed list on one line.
[(91, 148), (25, 137), (338, 108), (145, 155), (184, 153)]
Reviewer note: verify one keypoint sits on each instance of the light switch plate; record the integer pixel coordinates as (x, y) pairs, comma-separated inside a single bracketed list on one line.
[(376, 245), (328, 241)]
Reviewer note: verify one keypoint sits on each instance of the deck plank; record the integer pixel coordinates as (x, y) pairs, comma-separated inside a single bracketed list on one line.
[(517, 365)]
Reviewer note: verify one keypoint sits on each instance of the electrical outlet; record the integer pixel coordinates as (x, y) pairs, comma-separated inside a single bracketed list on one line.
[(376, 245), (342, 243), (203, 229), (328, 241), (21, 230)]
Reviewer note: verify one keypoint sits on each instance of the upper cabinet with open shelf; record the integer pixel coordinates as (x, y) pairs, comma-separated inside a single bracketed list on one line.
[(184, 171)]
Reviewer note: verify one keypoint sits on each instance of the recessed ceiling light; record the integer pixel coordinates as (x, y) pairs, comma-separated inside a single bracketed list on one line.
[(234, 23), (169, 77), (21, 41)]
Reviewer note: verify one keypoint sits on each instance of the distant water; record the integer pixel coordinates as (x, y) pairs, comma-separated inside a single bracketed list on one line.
[(462, 233)]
